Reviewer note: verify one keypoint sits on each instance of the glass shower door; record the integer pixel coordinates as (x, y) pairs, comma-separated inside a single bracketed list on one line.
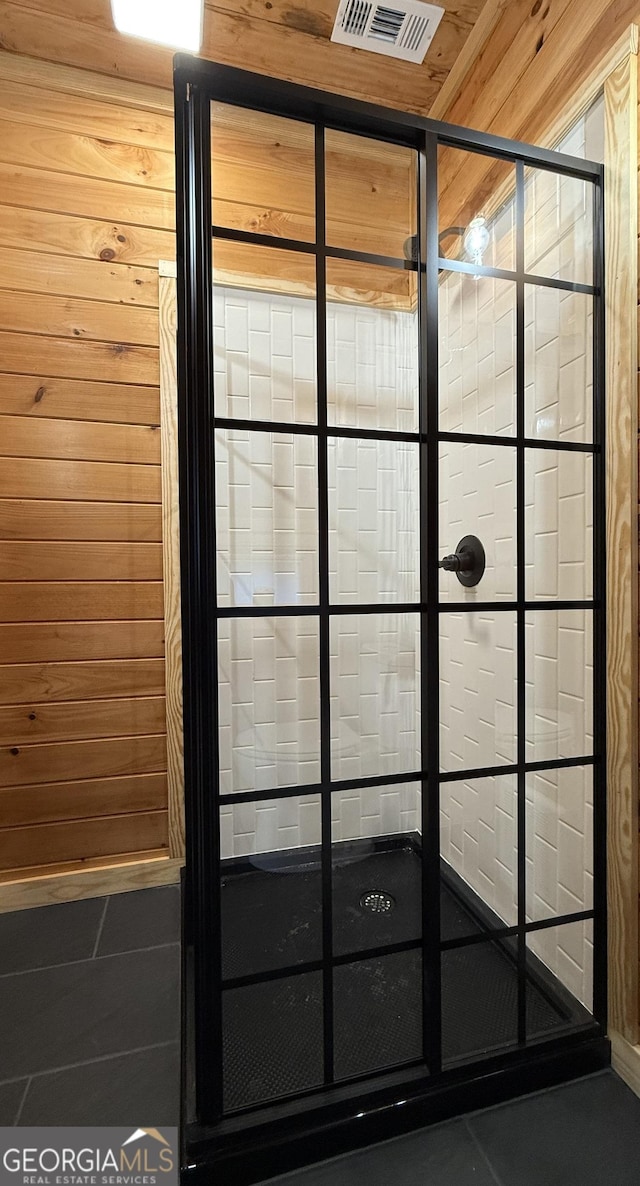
[(516, 460), (391, 345), (317, 449)]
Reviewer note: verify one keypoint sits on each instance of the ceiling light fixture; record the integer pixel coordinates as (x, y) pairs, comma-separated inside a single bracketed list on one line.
[(476, 239), (176, 23)]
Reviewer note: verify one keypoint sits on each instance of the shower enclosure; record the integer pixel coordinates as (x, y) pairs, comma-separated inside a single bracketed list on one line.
[(390, 340)]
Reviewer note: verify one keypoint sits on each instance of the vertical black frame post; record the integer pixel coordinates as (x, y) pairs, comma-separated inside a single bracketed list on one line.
[(429, 596), (600, 948), (521, 662), (324, 625), (198, 593)]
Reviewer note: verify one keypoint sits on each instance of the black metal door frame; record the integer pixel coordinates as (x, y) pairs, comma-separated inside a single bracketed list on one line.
[(209, 1136)]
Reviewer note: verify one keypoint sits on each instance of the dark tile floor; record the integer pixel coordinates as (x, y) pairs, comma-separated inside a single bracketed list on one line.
[(585, 1133), (88, 1035), (89, 1011)]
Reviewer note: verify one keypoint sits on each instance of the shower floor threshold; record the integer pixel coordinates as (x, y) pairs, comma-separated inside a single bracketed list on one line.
[(273, 1023)]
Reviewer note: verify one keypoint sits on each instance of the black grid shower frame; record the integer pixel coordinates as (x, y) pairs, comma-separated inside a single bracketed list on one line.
[(198, 535)]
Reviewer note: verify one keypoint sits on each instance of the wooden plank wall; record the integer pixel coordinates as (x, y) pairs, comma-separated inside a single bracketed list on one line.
[(637, 1069), (86, 214), (87, 210)]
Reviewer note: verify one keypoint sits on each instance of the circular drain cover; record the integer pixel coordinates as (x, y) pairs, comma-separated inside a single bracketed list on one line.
[(377, 901)]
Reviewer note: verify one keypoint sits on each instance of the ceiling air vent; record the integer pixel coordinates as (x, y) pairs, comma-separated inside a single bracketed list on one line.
[(398, 30)]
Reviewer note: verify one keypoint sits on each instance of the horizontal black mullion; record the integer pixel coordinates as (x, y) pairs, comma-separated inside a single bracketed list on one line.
[(552, 446), (258, 240), (247, 425), (446, 264), (308, 611), (350, 957), (512, 768), (545, 606), (368, 257), (494, 147), (392, 434), (270, 974), (477, 772), (267, 611), (491, 934), (461, 607), (476, 607), (254, 238), (317, 788), (376, 607), (381, 780), (484, 936), (337, 430), (561, 763), (558, 920), (373, 434), (563, 285)]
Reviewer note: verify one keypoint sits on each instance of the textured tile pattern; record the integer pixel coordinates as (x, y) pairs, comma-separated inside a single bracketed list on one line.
[(269, 703), (478, 690), (264, 356), (372, 373)]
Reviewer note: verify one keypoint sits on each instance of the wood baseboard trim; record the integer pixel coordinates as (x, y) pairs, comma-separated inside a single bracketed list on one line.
[(625, 1060), (89, 882)]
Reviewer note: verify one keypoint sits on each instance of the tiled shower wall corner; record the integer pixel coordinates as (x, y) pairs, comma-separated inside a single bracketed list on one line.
[(477, 491)]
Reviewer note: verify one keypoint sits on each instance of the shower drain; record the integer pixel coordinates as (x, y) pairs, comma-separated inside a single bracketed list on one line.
[(377, 901)]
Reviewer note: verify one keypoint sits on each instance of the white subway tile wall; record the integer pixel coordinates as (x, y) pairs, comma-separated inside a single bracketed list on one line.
[(559, 807), (375, 811), (478, 837), (477, 354), (558, 525), (272, 825), (559, 683), (478, 700), (568, 951), (372, 367), (478, 497), (264, 356), (266, 518), (558, 364), (269, 688), (374, 522), (374, 694)]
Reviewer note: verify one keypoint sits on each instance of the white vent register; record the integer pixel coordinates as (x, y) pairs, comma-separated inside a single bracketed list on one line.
[(399, 30)]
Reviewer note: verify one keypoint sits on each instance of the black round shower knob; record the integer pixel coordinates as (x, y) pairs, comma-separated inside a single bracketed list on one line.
[(468, 561)]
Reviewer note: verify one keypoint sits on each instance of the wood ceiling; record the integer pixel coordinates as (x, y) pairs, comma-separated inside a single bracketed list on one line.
[(286, 38)]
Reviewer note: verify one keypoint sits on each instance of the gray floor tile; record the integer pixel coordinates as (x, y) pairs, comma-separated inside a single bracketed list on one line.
[(55, 1017), (112, 1091), (442, 1156), (49, 935), (146, 918), (10, 1099), (582, 1133)]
